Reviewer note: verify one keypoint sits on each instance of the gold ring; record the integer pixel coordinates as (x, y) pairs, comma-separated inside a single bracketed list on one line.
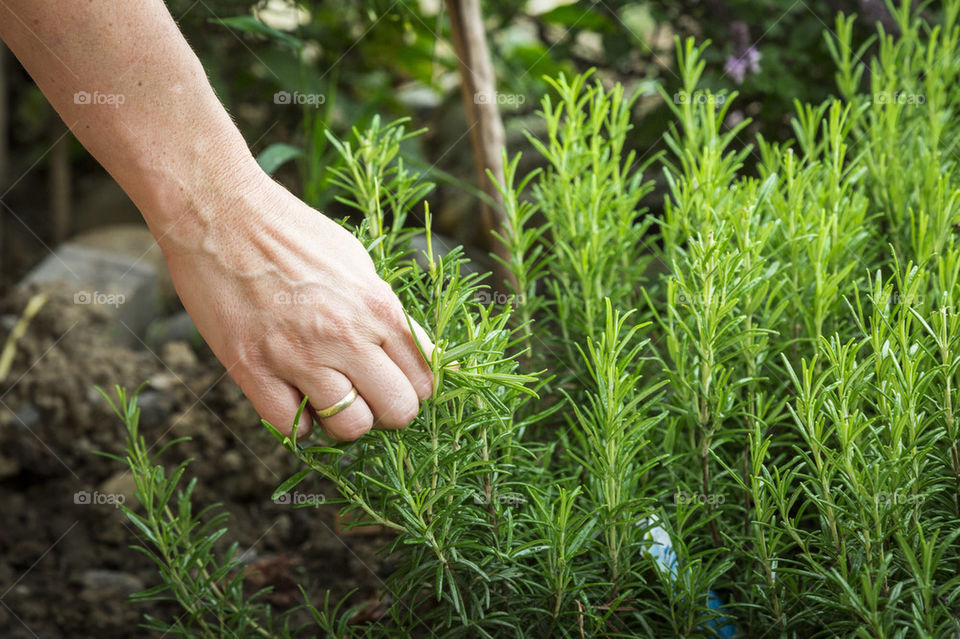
[(330, 411)]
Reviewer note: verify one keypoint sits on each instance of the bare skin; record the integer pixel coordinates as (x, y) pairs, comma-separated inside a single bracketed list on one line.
[(288, 300)]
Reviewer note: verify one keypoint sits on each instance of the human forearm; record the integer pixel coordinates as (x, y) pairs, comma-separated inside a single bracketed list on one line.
[(130, 88)]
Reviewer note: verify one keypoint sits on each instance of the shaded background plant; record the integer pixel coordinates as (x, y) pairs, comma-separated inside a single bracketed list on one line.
[(395, 59)]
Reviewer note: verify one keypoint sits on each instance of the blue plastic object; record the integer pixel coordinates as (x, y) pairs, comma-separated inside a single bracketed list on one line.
[(662, 552)]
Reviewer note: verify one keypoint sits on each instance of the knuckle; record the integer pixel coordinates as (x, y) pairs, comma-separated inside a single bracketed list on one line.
[(274, 351), (338, 328), (353, 340), (326, 327), (246, 363), (383, 301)]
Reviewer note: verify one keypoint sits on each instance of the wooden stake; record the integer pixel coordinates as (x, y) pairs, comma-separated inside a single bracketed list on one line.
[(487, 136)]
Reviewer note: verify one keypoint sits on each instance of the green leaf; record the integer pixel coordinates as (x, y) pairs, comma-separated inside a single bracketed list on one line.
[(276, 155), (291, 483), (249, 24)]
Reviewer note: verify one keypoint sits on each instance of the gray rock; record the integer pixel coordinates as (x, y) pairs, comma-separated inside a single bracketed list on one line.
[(123, 287), (135, 242), (175, 328), (155, 407), (232, 461), (111, 581), (248, 556), (164, 382), (178, 356), (27, 416), (121, 483)]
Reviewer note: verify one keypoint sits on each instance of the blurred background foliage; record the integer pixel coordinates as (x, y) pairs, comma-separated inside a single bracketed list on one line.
[(394, 58)]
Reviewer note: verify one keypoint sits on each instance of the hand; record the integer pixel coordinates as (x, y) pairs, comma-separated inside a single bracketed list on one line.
[(286, 298), (290, 303)]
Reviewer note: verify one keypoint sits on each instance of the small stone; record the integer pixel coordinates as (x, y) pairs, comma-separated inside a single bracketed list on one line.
[(175, 328), (121, 483), (164, 382), (111, 581), (178, 356), (248, 556), (27, 416), (232, 461), (155, 407), (94, 397), (84, 445), (186, 424)]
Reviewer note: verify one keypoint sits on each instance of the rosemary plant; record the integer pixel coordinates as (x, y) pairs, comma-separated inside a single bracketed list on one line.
[(738, 418)]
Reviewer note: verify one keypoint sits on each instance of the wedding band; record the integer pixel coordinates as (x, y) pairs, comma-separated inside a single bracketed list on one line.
[(330, 411)]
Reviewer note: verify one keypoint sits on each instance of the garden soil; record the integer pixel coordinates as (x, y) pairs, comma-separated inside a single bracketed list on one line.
[(66, 566)]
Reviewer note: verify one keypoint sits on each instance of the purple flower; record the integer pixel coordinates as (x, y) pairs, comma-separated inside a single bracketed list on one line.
[(745, 58), (737, 67)]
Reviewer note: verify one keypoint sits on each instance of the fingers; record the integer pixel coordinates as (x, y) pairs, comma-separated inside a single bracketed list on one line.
[(385, 396), (399, 344), (386, 389), (390, 383), (277, 402), (386, 367), (324, 388), (402, 349)]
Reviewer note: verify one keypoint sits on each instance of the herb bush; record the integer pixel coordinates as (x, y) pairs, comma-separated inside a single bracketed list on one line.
[(766, 375)]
